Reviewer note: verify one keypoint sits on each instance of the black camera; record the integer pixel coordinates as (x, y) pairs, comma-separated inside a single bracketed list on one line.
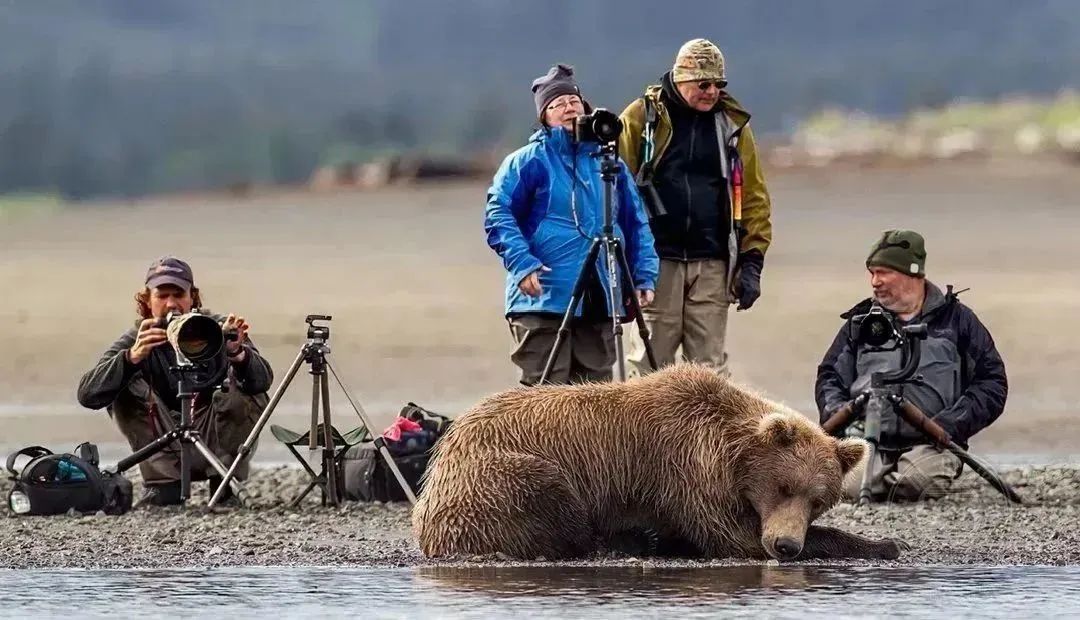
[(876, 328), (599, 126)]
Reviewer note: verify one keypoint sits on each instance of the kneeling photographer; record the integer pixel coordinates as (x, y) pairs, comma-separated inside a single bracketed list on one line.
[(544, 207), (959, 381), (135, 380)]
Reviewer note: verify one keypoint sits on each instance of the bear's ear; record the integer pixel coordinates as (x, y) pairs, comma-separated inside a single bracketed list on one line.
[(851, 451), (778, 429)]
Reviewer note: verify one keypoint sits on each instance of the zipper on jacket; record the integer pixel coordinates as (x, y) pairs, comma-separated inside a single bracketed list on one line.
[(686, 179)]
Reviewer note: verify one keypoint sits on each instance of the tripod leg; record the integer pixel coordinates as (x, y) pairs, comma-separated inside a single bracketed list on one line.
[(328, 444), (635, 307), (868, 475), (215, 462), (586, 272), (185, 450), (245, 449), (611, 251), (147, 451), (378, 440), (313, 438)]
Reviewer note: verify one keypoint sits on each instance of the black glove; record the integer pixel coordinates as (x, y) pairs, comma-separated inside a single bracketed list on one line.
[(748, 287)]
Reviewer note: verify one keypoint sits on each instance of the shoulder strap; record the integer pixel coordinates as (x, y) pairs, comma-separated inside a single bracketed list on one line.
[(33, 452), (648, 142)]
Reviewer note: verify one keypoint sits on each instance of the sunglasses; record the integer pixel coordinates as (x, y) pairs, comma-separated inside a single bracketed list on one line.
[(719, 84)]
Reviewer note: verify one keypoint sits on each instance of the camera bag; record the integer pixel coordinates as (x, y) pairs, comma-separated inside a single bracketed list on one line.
[(51, 484), (365, 475)]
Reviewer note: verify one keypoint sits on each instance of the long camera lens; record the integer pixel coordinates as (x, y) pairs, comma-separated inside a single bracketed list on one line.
[(197, 337)]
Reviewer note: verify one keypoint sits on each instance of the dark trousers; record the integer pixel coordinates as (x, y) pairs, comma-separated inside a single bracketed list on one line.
[(224, 420), (587, 353)]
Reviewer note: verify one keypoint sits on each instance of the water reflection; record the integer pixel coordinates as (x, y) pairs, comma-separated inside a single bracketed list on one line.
[(585, 582), (544, 591)]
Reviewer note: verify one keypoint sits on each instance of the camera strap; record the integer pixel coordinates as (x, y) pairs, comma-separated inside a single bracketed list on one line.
[(648, 143)]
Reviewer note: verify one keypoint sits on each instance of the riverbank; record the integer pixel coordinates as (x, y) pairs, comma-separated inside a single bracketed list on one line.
[(972, 526)]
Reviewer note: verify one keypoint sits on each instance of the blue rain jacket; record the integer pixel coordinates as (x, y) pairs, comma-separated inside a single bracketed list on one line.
[(529, 221)]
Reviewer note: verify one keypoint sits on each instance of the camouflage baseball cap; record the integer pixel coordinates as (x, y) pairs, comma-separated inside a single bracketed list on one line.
[(170, 270), (902, 250), (697, 60)]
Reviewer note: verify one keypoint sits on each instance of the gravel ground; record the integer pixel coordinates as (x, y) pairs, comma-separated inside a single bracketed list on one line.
[(972, 526)]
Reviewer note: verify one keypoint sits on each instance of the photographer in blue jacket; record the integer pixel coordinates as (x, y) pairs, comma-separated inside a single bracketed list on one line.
[(544, 207)]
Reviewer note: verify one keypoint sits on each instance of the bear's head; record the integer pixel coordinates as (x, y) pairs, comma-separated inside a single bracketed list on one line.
[(793, 472)]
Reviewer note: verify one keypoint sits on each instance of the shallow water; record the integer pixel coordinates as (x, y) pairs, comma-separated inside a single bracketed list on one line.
[(742, 591)]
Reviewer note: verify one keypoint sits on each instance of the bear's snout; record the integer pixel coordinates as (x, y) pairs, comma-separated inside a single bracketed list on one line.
[(787, 548)]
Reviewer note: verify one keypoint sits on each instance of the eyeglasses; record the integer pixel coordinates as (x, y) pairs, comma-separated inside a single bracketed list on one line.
[(719, 84), (562, 105)]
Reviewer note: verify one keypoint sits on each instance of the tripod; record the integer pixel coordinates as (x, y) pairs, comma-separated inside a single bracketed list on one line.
[(618, 272), (315, 353), (186, 434)]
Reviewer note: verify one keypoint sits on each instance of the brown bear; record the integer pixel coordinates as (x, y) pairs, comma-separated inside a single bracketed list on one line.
[(558, 471)]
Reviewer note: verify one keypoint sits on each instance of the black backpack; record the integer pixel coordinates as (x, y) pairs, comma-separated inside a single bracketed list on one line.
[(53, 484), (365, 475)]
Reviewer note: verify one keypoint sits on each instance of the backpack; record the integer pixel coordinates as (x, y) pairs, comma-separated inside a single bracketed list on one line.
[(53, 484), (365, 475)]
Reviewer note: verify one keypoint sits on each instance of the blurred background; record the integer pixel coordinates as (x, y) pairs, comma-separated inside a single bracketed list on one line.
[(332, 157)]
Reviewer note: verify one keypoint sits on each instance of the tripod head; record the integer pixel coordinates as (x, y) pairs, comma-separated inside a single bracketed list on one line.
[(317, 333)]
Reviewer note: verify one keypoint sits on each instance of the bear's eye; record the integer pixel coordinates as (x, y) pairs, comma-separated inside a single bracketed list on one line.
[(785, 490)]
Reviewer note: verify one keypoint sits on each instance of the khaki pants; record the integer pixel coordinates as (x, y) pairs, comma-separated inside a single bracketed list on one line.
[(923, 472), (223, 424), (586, 354), (691, 311)]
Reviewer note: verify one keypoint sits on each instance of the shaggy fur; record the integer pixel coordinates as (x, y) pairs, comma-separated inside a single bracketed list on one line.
[(556, 471)]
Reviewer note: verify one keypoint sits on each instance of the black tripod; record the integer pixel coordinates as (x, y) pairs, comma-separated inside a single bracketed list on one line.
[(618, 272), (185, 433), (314, 353)]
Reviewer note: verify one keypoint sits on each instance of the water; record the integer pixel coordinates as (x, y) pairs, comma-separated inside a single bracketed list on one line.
[(429, 592)]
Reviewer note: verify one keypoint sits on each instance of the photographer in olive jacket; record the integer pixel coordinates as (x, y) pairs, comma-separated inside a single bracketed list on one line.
[(133, 381), (960, 381)]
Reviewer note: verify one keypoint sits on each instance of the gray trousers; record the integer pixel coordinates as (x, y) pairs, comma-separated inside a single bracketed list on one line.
[(586, 354), (691, 311), (224, 421), (923, 472)]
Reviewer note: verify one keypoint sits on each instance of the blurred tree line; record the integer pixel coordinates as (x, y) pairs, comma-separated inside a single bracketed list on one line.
[(127, 97)]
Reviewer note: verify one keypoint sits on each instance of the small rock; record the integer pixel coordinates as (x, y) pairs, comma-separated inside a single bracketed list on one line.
[(249, 552), (773, 562), (214, 551), (100, 513), (501, 556)]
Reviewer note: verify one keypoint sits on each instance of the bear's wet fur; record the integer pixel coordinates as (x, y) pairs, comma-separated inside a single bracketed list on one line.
[(706, 466)]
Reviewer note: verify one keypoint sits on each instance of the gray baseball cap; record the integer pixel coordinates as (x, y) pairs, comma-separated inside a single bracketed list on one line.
[(170, 270)]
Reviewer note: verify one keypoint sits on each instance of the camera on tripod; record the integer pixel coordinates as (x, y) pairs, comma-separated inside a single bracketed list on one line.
[(600, 126), (877, 328)]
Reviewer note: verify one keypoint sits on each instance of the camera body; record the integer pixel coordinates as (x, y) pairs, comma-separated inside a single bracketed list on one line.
[(877, 328), (599, 126)]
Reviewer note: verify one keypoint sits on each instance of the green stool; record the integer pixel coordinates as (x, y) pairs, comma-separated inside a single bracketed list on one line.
[(342, 443)]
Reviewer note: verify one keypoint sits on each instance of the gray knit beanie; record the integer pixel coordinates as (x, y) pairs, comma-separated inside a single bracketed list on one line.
[(558, 81)]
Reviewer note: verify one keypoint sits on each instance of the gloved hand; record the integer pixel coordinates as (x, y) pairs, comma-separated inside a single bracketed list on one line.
[(748, 285)]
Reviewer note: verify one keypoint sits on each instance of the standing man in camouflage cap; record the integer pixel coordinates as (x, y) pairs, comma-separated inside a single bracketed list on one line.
[(960, 381), (133, 381), (689, 145)]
